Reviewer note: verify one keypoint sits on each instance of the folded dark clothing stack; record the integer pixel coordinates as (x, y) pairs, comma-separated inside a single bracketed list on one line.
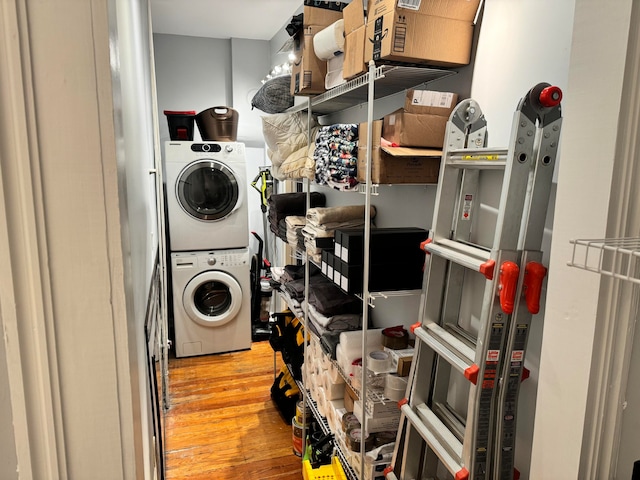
[(296, 272), (330, 300), (281, 205), (295, 289)]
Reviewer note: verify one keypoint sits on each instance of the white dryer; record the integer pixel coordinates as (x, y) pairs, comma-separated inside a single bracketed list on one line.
[(206, 195), (211, 301)]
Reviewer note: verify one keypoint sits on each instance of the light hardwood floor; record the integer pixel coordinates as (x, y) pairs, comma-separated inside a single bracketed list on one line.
[(222, 423)]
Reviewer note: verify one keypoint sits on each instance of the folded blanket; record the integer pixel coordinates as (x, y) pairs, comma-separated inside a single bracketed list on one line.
[(311, 248), (295, 289), (324, 215), (339, 322), (293, 304), (294, 225), (294, 221), (331, 227), (329, 300), (313, 232), (294, 203)]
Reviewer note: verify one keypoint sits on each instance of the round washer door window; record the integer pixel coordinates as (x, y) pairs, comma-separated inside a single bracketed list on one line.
[(212, 298), (207, 190)]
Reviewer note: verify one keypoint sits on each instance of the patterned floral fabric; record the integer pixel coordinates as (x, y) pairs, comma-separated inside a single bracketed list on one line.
[(336, 156)]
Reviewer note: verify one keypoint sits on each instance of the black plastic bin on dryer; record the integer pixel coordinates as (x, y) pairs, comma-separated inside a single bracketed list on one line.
[(180, 124)]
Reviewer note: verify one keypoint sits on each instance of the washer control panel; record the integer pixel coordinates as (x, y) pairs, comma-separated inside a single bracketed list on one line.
[(226, 258)]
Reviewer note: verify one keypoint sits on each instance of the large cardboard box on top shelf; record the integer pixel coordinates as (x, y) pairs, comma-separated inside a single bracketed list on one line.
[(395, 165), (354, 31), (423, 120), (437, 33), (322, 13)]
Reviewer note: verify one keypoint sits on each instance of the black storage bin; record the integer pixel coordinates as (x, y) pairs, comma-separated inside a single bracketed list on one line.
[(180, 124)]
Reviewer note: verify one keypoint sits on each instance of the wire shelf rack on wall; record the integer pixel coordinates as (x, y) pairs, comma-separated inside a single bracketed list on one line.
[(613, 257)]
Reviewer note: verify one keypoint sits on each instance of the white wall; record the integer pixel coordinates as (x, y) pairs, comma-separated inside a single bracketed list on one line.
[(71, 331), (590, 131), (133, 87), (192, 73)]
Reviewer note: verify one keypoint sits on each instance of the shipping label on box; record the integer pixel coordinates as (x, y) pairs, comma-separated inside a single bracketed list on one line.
[(430, 102), (422, 39), (454, 9)]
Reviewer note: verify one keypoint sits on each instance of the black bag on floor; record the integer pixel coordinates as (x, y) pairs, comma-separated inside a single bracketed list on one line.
[(285, 394), (287, 337)]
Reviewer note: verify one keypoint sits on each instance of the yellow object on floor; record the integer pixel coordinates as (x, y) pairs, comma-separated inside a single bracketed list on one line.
[(323, 472)]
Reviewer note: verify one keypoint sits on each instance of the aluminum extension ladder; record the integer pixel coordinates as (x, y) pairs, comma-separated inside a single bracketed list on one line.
[(480, 291)]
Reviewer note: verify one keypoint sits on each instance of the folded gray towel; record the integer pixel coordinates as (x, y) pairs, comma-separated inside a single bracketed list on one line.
[(324, 215)]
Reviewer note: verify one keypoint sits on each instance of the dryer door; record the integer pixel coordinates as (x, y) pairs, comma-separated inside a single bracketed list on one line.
[(207, 190), (212, 298)]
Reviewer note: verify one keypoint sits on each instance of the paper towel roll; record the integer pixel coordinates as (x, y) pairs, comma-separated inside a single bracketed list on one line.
[(332, 390), (329, 40), (334, 374), (321, 401)]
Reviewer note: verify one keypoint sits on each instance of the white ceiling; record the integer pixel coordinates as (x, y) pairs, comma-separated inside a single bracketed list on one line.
[(251, 19)]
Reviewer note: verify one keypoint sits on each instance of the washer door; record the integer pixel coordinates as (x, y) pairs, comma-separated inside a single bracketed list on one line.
[(212, 298), (207, 190)]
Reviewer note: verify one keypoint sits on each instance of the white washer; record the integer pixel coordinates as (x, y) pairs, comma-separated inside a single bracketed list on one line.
[(211, 301), (206, 195)]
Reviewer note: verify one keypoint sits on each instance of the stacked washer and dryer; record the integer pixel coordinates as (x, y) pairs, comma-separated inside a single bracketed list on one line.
[(208, 230)]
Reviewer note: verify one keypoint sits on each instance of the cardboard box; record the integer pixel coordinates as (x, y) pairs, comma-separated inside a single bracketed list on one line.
[(375, 424), (414, 129), (454, 9), (404, 366), (321, 13), (353, 15), (396, 165), (421, 39), (354, 44), (308, 72), (430, 102)]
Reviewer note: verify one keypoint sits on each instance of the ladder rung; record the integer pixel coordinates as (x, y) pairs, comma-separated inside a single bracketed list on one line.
[(474, 258), (451, 419), (443, 443), (454, 350), (483, 158), (462, 334)]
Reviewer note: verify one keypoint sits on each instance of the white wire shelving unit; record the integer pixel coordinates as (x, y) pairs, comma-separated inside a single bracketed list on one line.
[(389, 79), (612, 257)]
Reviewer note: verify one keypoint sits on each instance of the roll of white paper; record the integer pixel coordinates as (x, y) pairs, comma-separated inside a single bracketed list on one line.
[(329, 41), (332, 390), (378, 361)]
